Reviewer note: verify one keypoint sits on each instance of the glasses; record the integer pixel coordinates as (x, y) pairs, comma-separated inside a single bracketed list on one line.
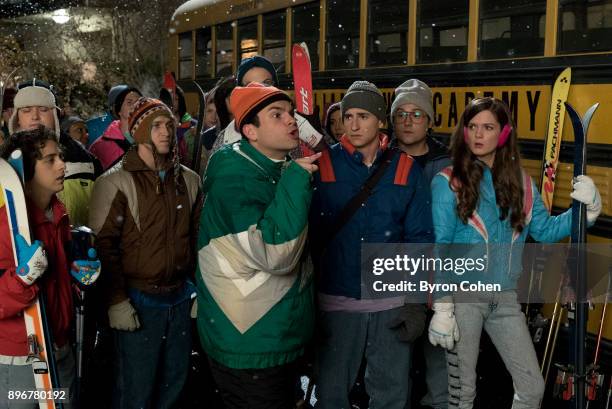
[(416, 116)]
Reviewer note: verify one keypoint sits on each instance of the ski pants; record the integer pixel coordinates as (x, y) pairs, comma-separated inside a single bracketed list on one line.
[(500, 315), (152, 362), (344, 338), (20, 378)]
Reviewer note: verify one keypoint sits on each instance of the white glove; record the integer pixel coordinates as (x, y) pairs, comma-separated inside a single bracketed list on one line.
[(123, 316), (443, 329), (307, 133), (586, 192), (32, 260)]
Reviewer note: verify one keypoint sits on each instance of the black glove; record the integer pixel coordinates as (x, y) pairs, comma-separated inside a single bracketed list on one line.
[(409, 323)]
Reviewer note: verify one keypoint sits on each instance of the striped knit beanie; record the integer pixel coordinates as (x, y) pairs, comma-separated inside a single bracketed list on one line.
[(142, 114)]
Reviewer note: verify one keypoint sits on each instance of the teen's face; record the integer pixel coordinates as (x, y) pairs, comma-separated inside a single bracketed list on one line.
[(361, 127), (162, 134), (277, 133), (482, 135), (336, 125), (258, 74), (410, 124), (32, 117), (6, 114), (210, 116), (128, 103), (49, 171), (79, 132)]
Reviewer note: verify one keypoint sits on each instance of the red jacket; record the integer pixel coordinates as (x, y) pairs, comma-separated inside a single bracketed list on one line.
[(15, 296)]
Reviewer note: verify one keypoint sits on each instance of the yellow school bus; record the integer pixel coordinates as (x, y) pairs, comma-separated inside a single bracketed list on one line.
[(510, 49)]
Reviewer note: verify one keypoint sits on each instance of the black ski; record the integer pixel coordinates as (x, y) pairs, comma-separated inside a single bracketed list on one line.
[(578, 240)]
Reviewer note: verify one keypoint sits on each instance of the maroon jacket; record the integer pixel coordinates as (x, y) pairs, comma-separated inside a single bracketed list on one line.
[(15, 296)]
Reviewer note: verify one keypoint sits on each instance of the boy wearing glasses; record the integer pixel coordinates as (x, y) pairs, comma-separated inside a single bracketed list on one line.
[(412, 117)]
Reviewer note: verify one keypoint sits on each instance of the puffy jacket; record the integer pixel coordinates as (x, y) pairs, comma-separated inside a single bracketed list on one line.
[(111, 146), (398, 211), (15, 296), (255, 295), (82, 169), (504, 265), (145, 227)]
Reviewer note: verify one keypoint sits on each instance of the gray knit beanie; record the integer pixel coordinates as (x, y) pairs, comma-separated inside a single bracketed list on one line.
[(415, 92), (365, 95)]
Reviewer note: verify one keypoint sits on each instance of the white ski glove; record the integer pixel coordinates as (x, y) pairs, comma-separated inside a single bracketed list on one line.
[(443, 328), (123, 316), (586, 192), (32, 260), (308, 133)]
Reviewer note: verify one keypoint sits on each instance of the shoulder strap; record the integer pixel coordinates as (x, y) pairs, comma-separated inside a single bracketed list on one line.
[(403, 169), (364, 193), (326, 169)]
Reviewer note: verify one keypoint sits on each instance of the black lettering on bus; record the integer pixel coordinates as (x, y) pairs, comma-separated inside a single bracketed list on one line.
[(469, 96), (512, 102), (452, 110), (532, 101), (437, 99), (488, 94)]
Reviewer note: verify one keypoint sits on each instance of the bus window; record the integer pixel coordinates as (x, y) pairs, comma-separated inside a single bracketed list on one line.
[(306, 29), (442, 30), (584, 26), (511, 28), (247, 38), (185, 56), (225, 49), (274, 38), (387, 32), (203, 52), (342, 33)]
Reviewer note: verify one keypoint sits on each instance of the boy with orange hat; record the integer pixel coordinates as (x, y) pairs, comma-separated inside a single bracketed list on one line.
[(255, 297)]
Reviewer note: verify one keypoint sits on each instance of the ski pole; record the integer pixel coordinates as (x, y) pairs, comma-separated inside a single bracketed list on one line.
[(609, 394)]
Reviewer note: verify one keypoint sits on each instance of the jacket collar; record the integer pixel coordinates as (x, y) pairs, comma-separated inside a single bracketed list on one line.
[(131, 162), (272, 167), (38, 217), (383, 144)]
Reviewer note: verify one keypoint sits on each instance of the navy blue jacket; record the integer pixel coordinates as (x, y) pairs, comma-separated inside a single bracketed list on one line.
[(398, 211)]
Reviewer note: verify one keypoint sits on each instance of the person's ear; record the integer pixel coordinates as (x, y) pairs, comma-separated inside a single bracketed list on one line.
[(250, 131)]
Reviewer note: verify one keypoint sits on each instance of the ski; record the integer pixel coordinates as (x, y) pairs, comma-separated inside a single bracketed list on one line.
[(197, 148), (578, 240), (302, 79), (39, 340), (550, 162), (313, 140)]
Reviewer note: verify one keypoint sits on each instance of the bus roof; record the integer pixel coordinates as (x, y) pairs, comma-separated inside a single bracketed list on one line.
[(194, 14)]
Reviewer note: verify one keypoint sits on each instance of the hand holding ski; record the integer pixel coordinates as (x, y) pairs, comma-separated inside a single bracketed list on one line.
[(586, 192), (32, 260)]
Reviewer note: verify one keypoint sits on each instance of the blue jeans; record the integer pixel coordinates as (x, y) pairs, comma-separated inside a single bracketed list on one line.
[(500, 315), (344, 339), (152, 362)]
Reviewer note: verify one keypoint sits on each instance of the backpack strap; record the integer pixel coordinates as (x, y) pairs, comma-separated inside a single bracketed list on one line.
[(326, 168), (403, 169)]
